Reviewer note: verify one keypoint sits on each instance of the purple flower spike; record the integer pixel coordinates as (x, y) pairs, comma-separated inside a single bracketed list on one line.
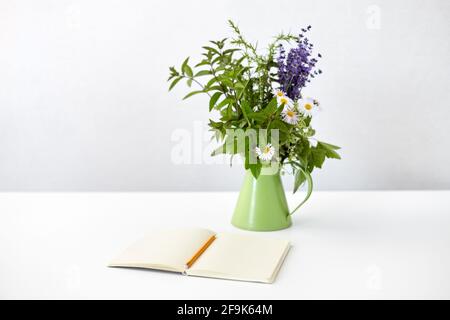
[(295, 70)]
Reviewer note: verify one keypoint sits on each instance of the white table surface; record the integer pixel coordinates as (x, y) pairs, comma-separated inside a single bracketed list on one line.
[(345, 245)]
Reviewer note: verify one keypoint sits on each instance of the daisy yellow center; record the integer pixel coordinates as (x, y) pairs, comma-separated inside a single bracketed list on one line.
[(279, 93), (266, 150), (308, 106), (290, 113), (283, 100)]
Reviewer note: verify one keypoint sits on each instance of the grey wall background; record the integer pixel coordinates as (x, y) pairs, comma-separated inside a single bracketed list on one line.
[(84, 102)]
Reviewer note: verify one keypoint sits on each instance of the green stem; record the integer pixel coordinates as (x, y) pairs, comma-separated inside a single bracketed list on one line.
[(199, 84)]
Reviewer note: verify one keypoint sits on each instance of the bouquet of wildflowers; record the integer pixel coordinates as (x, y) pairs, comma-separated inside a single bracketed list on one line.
[(254, 92)]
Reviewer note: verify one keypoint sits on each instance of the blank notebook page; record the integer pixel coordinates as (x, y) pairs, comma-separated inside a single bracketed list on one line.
[(169, 248), (241, 257)]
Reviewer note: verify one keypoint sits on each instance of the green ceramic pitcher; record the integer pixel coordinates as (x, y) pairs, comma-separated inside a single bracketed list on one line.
[(262, 204)]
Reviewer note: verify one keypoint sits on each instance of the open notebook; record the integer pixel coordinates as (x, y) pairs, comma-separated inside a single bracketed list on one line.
[(204, 253)]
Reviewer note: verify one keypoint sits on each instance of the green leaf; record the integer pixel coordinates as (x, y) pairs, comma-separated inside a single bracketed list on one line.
[(188, 71), (271, 107), (307, 121), (204, 62), (214, 42), (318, 157), (189, 82), (280, 125), (227, 82), (258, 116), (184, 64), (214, 88), (211, 49), (239, 85), (215, 60), (173, 75), (329, 150), (192, 93), (300, 178), (328, 145), (174, 82), (202, 73), (246, 110), (231, 50), (213, 100), (279, 110), (211, 82), (310, 188), (224, 102), (240, 60), (242, 70), (256, 169), (215, 125)]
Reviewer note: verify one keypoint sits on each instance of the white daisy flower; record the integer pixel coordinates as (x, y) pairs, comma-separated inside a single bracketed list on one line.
[(286, 101), (266, 153), (308, 106), (282, 98), (289, 115), (278, 93)]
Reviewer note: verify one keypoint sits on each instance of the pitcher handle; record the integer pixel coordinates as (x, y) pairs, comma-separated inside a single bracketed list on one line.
[(309, 191)]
